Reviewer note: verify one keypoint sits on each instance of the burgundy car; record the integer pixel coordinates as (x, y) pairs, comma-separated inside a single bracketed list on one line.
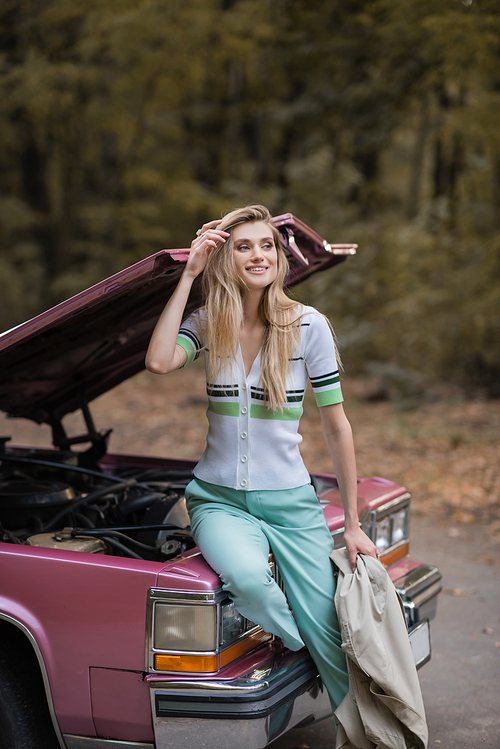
[(114, 632)]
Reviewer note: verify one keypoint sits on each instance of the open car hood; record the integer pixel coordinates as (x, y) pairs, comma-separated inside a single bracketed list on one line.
[(74, 352)]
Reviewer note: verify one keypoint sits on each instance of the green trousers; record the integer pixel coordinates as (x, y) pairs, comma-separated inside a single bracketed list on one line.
[(235, 530)]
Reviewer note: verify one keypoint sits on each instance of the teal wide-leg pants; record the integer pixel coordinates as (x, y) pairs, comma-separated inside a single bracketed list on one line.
[(235, 530)]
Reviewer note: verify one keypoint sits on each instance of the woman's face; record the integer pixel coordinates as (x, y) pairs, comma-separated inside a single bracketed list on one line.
[(255, 254)]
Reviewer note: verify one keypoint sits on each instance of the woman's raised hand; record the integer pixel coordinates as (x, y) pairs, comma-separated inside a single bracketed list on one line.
[(207, 238), (163, 354)]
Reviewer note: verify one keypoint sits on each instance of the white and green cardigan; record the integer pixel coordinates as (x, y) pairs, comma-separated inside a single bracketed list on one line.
[(250, 447)]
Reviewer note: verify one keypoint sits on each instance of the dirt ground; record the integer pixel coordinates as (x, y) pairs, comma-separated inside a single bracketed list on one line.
[(447, 453)]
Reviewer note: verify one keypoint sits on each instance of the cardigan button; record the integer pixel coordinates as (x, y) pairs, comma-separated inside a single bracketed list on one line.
[(243, 435), (244, 458), (244, 410), (244, 482), (244, 387)]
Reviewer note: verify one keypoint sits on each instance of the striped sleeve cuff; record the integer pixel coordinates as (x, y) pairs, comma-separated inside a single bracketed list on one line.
[(191, 345), (326, 389)]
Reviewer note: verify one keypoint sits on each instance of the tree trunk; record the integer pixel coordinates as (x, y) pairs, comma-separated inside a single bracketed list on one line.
[(417, 161)]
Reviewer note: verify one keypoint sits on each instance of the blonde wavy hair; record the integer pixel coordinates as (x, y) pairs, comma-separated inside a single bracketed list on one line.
[(225, 313)]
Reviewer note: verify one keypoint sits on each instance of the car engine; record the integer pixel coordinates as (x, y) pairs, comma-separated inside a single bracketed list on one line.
[(49, 499)]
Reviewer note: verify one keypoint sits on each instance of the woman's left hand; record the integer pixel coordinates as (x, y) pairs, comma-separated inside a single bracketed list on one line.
[(357, 542)]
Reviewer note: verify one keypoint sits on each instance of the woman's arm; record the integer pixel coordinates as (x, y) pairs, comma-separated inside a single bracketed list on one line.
[(164, 354), (338, 436)]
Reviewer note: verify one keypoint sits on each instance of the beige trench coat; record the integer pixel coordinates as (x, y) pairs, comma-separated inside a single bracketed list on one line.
[(384, 707)]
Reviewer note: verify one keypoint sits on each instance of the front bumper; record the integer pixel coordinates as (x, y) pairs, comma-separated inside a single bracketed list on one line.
[(272, 696), (419, 590), (276, 695), (263, 702)]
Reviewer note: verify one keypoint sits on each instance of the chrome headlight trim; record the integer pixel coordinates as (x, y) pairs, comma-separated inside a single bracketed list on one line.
[(176, 598), (217, 599), (373, 519), (393, 506)]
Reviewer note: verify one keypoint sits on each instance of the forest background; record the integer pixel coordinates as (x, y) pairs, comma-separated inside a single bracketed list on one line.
[(125, 125)]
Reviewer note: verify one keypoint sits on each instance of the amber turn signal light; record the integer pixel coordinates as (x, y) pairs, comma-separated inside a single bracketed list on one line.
[(192, 664), (395, 555), (209, 664), (240, 648)]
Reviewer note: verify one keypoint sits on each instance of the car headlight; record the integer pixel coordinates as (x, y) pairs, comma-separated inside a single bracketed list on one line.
[(196, 632), (383, 535), (233, 623), (388, 527), (400, 522), (190, 628)]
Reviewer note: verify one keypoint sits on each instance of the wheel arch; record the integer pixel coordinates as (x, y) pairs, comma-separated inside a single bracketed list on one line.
[(11, 626)]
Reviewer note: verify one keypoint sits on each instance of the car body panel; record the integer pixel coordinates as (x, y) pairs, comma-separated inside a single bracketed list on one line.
[(83, 610), (121, 706)]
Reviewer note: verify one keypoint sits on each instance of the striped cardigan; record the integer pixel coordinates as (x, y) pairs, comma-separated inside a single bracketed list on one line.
[(250, 447)]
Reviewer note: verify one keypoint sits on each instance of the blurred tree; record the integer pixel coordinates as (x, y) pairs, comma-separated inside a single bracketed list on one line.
[(424, 293), (125, 124)]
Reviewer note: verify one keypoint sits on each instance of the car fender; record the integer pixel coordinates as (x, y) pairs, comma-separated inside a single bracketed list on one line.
[(32, 643)]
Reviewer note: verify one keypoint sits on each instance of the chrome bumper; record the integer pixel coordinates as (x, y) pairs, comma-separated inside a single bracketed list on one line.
[(419, 590), (72, 741), (250, 711)]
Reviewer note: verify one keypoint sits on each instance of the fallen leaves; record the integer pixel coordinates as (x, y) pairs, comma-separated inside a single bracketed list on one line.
[(462, 517), (458, 592), (488, 559)]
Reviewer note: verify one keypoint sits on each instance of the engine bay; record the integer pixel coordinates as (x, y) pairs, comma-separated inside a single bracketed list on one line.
[(59, 499)]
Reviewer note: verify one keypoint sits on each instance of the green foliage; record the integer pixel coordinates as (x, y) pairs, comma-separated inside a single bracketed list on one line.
[(420, 301), (127, 124)]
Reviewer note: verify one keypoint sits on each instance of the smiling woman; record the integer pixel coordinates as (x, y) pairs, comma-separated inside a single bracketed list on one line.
[(251, 492), (255, 255), (245, 303)]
